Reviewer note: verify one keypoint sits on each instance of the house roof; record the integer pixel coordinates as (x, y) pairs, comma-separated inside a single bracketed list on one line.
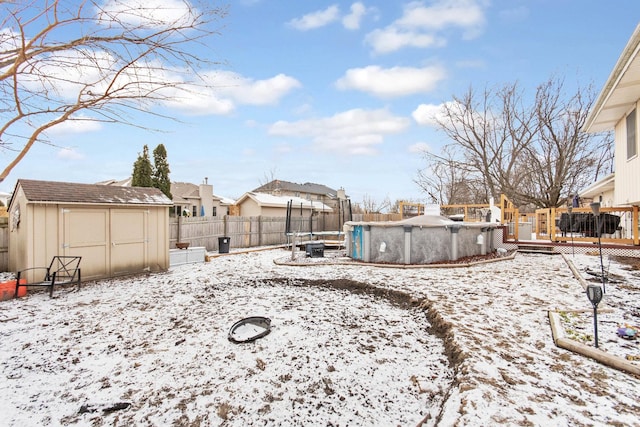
[(225, 200), (180, 191), (271, 201), (601, 186), (68, 192), (185, 190), (307, 187), (620, 92)]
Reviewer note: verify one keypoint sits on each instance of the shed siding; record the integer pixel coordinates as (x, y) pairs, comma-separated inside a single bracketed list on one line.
[(41, 243), (158, 247), (111, 241)]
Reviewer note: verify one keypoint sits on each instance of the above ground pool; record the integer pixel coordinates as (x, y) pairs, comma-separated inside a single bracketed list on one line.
[(424, 239)]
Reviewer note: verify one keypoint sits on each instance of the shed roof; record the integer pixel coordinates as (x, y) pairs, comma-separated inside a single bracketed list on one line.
[(68, 192)]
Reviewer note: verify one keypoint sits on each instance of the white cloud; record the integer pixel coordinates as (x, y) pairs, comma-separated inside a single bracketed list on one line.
[(88, 74), (392, 82), (391, 39), (352, 20), (283, 148), (429, 114), (420, 24), (224, 90), (350, 132), (199, 102), (303, 109), (9, 40), (217, 92), (317, 19), (419, 147), (148, 13), (69, 154), (465, 14), (260, 92), (75, 125)]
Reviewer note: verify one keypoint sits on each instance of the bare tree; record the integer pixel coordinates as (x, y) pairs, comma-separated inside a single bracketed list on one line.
[(534, 153), (563, 159), (63, 61), (490, 130), (370, 205), (447, 180), (270, 180)]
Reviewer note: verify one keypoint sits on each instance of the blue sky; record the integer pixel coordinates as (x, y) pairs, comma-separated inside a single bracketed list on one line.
[(332, 92)]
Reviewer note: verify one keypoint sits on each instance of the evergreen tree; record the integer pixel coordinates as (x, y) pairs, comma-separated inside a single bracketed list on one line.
[(161, 171), (142, 170)]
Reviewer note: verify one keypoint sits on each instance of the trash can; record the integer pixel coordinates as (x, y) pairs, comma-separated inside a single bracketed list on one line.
[(223, 245), (315, 250)]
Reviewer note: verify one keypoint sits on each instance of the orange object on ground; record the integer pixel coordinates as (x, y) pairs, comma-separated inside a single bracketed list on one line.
[(8, 289)]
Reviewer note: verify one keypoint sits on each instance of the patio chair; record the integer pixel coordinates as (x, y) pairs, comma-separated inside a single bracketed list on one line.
[(62, 270)]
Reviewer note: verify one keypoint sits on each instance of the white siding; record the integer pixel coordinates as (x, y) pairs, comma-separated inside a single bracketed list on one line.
[(627, 178)]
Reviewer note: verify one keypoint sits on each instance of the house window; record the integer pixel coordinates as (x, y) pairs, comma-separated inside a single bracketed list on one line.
[(632, 146), (194, 211), (215, 211)]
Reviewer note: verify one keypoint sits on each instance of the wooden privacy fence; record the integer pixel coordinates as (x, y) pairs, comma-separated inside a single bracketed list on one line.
[(247, 232)]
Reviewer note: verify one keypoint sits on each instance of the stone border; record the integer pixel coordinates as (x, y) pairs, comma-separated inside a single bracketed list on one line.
[(594, 353), (560, 340), (402, 266)]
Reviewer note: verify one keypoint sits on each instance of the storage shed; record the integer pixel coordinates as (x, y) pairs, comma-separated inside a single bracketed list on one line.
[(116, 230)]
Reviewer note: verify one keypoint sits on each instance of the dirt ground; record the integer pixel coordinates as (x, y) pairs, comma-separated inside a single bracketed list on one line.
[(632, 262)]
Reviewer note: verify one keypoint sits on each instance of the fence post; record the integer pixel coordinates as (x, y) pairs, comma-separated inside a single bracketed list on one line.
[(636, 239), (260, 230), (551, 225)]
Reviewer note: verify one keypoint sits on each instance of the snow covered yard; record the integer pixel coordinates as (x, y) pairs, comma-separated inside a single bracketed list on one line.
[(350, 345)]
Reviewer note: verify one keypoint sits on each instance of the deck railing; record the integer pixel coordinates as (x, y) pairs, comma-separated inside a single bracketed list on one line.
[(618, 224)]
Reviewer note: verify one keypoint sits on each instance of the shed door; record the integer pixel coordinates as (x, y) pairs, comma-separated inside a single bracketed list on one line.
[(129, 238), (86, 233)]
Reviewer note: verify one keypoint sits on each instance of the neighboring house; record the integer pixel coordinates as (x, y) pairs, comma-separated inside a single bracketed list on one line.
[(199, 200), (616, 108), (308, 191), (116, 230), (601, 191), (261, 204), (190, 199)]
